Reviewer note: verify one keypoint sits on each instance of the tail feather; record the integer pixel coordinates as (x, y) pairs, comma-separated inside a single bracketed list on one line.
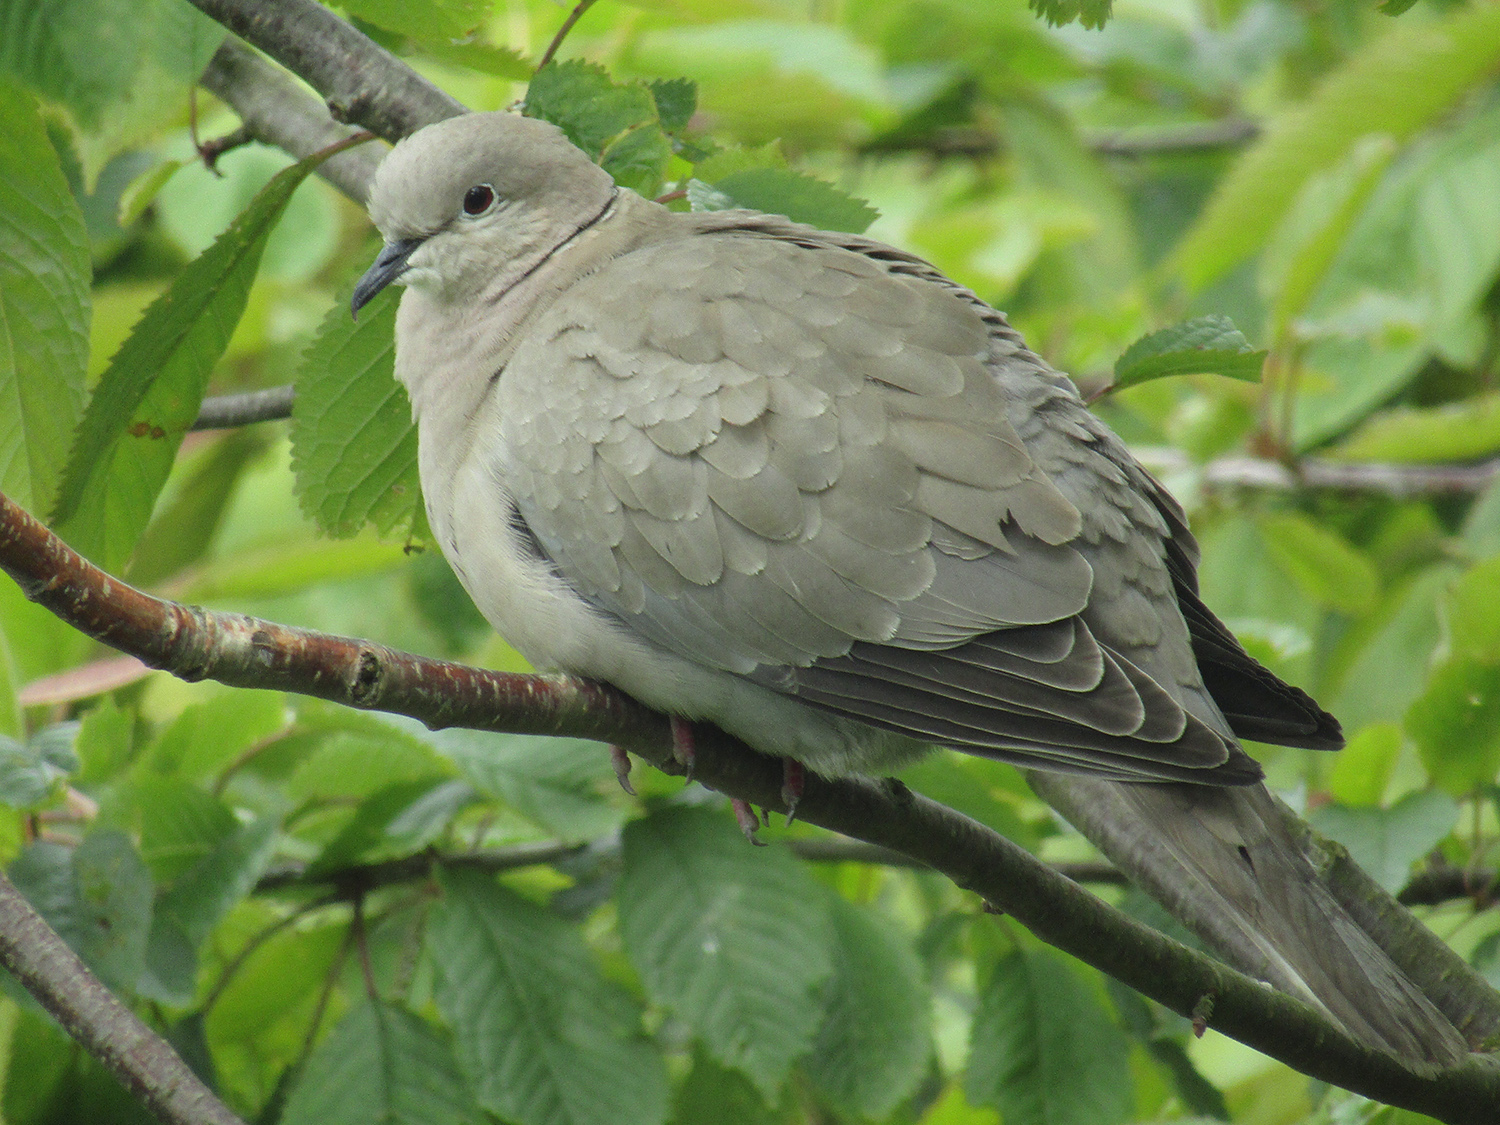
[(1223, 862)]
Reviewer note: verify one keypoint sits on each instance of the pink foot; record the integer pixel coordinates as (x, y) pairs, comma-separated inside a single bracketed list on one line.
[(793, 781), (682, 746), (621, 761), (748, 821)]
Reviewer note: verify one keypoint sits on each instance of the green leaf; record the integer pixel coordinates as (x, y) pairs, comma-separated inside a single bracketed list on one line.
[(500, 62), (368, 834), (202, 896), (876, 1040), (1471, 612), (1325, 565), (735, 940), (434, 21), (178, 824), (1386, 842), (638, 159), (44, 304), (1090, 13), (184, 39), (780, 191), (1395, 85), (1362, 769), (53, 46), (1458, 431), (97, 897), (712, 1095), (676, 102), (152, 389), (1205, 345), (543, 1037), (560, 783), (32, 774), (582, 100), (354, 448), (11, 722), (1305, 241), (1043, 1049), (384, 1065), (1456, 724), (205, 737)]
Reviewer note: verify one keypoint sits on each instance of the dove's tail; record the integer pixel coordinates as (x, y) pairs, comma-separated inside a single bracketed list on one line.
[(1236, 866)]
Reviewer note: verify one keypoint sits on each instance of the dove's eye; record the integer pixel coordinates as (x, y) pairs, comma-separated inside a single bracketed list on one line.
[(479, 200)]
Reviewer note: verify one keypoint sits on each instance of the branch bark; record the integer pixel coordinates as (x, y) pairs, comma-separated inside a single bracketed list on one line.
[(243, 651), (142, 1060)]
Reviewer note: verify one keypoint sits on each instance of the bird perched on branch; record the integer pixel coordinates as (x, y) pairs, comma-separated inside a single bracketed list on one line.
[(801, 485)]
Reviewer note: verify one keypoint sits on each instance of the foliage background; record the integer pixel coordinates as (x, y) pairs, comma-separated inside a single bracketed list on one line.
[(1326, 174)]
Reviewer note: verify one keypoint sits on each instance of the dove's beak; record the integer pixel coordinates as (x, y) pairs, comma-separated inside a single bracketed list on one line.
[(389, 264)]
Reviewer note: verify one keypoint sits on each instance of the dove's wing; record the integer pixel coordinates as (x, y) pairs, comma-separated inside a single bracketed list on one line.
[(777, 457)]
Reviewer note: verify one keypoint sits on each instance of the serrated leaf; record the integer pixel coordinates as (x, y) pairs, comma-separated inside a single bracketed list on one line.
[(876, 1039), (558, 782), (32, 773), (53, 46), (382, 1065), (1459, 431), (638, 159), (97, 897), (1387, 842), (1090, 13), (151, 391), (1456, 724), (542, 1036), (1327, 567), (1043, 1049), (800, 197), (1206, 345), (354, 448), (735, 940), (582, 100), (676, 102), (44, 305), (1396, 84)]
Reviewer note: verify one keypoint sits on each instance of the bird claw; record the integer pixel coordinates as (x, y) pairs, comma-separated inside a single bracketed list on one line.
[(621, 762), (748, 820), (683, 748), (793, 782)]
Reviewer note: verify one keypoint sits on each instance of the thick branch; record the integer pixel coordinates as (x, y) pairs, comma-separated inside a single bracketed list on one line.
[(243, 651), (131, 1051), (362, 83)]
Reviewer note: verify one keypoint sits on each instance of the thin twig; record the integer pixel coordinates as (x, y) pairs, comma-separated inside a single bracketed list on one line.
[(222, 412), (562, 33)]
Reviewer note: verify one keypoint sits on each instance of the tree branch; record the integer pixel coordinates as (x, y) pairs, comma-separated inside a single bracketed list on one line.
[(362, 83), (225, 411), (242, 651), (142, 1060)]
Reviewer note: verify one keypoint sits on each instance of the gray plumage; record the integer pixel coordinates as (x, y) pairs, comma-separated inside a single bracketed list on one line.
[(801, 485)]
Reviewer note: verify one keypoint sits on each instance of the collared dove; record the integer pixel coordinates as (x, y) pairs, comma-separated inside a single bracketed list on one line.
[(801, 485)]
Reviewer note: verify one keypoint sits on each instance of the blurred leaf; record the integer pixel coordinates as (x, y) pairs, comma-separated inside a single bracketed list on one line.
[(712, 1095), (1163, 1033), (780, 191), (734, 940), (11, 724), (382, 1064), (500, 62), (1471, 612), (360, 762), (1308, 236), (1205, 345), (545, 1039), (368, 834), (960, 782), (32, 773), (278, 976), (876, 1040), (184, 39), (1396, 84), (44, 298), (1386, 842), (1329, 569), (435, 20), (207, 892), (354, 448), (97, 897), (205, 737), (1458, 431), (676, 102), (289, 568), (151, 392), (1044, 1051), (638, 159), (53, 46), (1456, 724), (1362, 769), (592, 109), (177, 823), (560, 783)]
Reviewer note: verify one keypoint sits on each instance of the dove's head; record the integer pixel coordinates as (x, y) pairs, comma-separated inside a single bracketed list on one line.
[(465, 202)]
